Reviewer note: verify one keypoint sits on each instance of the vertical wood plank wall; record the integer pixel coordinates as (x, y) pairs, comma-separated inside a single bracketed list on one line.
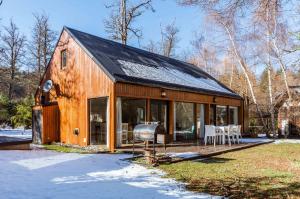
[(79, 81)]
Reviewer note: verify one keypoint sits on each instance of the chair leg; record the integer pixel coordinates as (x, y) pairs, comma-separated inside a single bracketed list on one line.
[(214, 138), (205, 140)]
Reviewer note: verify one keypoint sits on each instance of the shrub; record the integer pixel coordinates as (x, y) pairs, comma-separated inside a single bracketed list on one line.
[(23, 115)]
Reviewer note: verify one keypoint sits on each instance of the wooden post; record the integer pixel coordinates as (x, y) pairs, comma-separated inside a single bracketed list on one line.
[(148, 110), (241, 116), (195, 120), (207, 114), (171, 120), (112, 117), (228, 114)]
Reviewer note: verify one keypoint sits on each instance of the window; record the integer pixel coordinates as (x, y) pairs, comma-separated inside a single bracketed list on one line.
[(221, 115), (233, 115), (63, 58), (159, 112), (133, 113), (200, 120), (185, 121), (98, 121)]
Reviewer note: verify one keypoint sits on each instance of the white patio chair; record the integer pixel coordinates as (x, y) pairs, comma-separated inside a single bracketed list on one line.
[(229, 132), (210, 133), (232, 132), (220, 135), (239, 133)]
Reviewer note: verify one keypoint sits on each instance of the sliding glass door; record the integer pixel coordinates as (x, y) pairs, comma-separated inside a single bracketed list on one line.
[(98, 121), (233, 115), (133, 112), (159, 112), (221, 115), (200, 120), (184, 121)]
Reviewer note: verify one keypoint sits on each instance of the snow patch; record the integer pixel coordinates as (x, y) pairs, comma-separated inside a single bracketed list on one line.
[(38, 163), (49, 174), (253, 140), (17, 133), (183, 155), (287, 141)]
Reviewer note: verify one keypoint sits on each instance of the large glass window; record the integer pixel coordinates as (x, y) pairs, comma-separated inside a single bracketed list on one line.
[(98, 121), (233, 115), (159, 112), (185, 121), (221, 115), (133, 113), (200, 120)]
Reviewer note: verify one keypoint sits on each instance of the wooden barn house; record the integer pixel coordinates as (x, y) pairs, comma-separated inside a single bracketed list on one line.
[(102, 89)]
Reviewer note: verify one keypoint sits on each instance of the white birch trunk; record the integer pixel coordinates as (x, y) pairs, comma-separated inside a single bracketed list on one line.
[(244, 69)]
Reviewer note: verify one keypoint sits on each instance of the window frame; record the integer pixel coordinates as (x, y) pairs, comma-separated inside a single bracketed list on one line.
[(63, 58)]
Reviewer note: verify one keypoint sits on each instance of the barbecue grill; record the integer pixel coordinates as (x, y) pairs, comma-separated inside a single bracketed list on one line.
[(149, 132)]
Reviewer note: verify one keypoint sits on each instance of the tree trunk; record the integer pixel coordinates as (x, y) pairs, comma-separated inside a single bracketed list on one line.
[(283, 69), (273, 128), (231, 76), (244, 69), (123, 22)]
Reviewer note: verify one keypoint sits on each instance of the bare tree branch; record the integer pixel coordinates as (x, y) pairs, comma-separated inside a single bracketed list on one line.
[(122, 17)]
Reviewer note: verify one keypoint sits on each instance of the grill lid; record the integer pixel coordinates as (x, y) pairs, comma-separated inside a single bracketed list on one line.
[(147, 132)]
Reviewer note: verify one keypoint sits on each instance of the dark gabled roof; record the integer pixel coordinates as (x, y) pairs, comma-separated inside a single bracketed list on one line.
[(123, 63)]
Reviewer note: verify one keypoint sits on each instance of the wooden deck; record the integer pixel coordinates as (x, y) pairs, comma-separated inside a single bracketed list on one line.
[(192, 151)]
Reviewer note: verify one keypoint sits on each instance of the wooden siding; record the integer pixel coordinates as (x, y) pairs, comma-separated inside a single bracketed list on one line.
[(80, 80), (138, 91), (50, 124), (146, 92)]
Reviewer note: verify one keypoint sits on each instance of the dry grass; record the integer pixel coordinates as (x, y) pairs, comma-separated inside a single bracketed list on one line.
[(267, 171)]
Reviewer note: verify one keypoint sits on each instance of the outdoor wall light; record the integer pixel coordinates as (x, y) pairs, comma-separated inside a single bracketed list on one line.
[(214, 99), (163, 93)]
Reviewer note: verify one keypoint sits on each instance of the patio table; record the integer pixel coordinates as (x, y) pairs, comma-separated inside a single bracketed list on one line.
[(224, 130)]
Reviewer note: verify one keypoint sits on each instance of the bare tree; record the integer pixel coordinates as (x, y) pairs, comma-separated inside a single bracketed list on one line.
[(204, 56), (12, 54), (229, 29), (168, 42), (170, 39), (152, 47), (227, 12), (268, 13), (120, 22), (42, 44)]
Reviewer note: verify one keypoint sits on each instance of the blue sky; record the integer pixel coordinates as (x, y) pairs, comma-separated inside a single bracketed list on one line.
[(88, 16)]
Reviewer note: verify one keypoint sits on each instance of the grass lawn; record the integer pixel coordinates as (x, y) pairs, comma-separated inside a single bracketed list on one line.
[(65, 149), (267, 171)]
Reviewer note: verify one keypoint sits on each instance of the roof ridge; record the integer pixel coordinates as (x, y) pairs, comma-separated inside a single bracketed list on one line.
[(135, 48)]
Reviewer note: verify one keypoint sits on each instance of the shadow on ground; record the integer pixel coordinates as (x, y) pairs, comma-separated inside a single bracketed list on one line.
[(215, 160), (260, 187)]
